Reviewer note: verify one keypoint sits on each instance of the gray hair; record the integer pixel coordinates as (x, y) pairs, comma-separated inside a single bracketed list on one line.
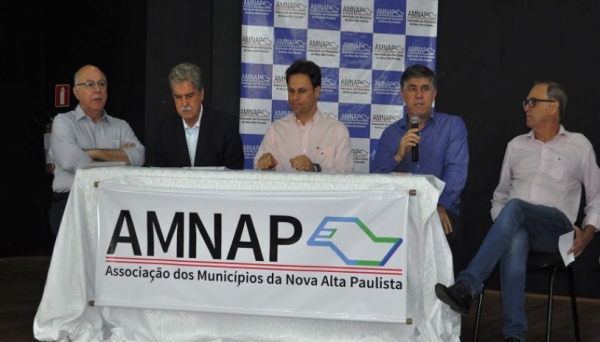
[(418, 71), (186, 72), (556, 92)]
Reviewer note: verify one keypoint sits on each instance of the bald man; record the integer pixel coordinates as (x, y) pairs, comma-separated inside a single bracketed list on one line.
[(87, 134)]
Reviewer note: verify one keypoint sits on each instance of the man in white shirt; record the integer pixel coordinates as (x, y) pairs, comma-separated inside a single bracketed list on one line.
[(306, 140), (87, 134), (536, 201)]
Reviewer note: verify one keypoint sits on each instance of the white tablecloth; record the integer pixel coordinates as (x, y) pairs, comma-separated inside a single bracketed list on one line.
[(64, 313)]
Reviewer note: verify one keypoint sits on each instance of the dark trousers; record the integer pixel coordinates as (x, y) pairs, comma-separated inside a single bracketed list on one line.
[(454, 240), (455, 228), (57, 209)]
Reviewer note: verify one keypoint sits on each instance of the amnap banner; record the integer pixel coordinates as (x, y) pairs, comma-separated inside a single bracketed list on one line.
[(334, 255), (362, 47)]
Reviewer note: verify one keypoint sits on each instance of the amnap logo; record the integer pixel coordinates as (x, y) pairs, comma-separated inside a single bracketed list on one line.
[(385, 119), (331, 115), (250, 150), (332, 228), (386, 87), (389, 13), (328, 82), (361, 156), (388, 49), (355, 85), (422, 52), (351, 47), (280, 114), (291, 43), (329, 85), (323, 46), (355, 118), (246, 113), (257, 4), (290, 6), (357, 11), (421, 15), (255, 79), (279, 81), (323, 8), (254, 41)]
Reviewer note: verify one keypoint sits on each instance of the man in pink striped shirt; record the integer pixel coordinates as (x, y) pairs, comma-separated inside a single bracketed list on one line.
[(306, 140), (536, 201)]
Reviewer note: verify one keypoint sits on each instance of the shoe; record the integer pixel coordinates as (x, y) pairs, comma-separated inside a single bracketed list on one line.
[(458, 296), (512, 339)]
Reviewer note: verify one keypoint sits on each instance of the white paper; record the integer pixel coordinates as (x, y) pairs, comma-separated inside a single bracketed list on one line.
[(565, 242)]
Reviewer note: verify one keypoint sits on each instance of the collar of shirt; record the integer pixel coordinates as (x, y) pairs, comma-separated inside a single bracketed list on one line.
[(197, 124), (404, 123), (313, 121), (80, 114), (189, 129), (561, 133), (191, 136)]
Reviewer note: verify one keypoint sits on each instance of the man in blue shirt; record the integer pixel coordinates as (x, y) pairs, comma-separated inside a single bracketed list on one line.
[(441, 140)]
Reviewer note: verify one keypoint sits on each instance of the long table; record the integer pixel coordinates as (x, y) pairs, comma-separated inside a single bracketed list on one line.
[(65, 313)]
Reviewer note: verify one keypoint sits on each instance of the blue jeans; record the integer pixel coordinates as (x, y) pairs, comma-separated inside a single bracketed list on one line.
[(519, 227)]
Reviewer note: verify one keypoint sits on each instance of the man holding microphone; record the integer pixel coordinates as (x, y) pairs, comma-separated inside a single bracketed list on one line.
[(427, 142)]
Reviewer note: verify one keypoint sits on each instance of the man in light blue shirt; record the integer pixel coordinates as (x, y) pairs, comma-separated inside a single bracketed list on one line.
[(87, 134), (441, 140)]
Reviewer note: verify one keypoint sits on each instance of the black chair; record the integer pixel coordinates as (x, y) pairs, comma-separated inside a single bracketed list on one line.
[(550, 263)]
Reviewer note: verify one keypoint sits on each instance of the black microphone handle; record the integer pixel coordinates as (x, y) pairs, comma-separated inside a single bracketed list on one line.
[(415, 149), (415, 153)]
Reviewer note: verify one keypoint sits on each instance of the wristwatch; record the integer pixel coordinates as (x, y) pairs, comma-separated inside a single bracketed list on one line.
[(317, 167)]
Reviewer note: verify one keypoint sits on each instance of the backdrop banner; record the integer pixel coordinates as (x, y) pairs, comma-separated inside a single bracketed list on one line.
[(315, 254), (362, 47)]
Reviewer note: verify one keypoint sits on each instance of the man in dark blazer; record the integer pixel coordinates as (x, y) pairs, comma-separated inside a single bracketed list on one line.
[(198, 136)]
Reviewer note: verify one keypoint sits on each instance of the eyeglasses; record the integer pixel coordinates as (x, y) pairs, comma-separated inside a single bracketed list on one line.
[(532, 101), (91, 84)]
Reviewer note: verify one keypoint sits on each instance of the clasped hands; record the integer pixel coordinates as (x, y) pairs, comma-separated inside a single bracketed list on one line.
[(298, 163)]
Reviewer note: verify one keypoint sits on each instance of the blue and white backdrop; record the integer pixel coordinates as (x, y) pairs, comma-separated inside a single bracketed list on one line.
[(362, 47)]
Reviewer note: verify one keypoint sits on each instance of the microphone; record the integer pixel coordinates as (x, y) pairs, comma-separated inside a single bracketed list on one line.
[(414, 123)]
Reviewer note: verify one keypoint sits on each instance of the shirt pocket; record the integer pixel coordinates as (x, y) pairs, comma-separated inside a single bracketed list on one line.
[(324, 157), (563, 171), (557, 170)]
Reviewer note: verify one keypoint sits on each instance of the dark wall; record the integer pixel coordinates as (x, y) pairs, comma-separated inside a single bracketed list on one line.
[(43, 44), (24, 184), (207, 33), (110, 35), (175, 33), (489, 55)]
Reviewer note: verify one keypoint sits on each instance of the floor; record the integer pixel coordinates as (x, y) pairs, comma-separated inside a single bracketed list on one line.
[(22, 284)]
